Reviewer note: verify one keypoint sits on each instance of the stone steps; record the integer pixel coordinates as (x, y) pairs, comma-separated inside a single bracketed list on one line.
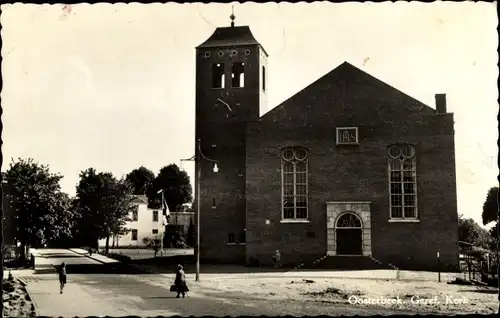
[(346, 263)]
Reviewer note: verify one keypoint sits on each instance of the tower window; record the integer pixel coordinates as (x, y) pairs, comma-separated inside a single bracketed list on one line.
[(218, 77), (264, 78), (238, 74)]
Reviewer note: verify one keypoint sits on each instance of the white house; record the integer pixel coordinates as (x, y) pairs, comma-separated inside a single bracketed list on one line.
[(145, 223)]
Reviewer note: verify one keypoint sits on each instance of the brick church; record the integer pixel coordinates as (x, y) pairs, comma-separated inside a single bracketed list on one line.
[(347, 167)]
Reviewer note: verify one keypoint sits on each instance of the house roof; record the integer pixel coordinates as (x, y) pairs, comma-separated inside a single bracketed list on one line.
[(141, 199), (349, 73), (231, 36)]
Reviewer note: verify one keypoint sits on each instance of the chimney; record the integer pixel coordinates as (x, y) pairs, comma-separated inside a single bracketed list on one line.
[(441, 103)]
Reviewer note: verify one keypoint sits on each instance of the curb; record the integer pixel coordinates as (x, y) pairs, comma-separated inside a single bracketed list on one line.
[(24, 284), (147, 270)]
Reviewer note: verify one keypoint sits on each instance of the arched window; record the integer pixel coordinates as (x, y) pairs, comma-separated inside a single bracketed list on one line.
[(348, 220), (403, 181), (294, 183)]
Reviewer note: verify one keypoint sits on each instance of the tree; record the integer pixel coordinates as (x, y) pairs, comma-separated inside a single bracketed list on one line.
[(42, 211), (469, 231), (177, 187), (140, 178), (490, 206), (105, 205), (174, 236)]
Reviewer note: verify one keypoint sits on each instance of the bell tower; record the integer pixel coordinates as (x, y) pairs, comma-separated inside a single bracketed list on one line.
[(231, 73)]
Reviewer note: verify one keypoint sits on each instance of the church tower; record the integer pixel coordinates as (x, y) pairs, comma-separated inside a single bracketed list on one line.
[(231, 75)]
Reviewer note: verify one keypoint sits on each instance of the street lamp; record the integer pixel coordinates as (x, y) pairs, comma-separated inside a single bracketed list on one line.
[(196, 158)]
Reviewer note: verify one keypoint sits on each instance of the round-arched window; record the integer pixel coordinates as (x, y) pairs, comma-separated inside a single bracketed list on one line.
[(348, 220), (403, 181), (289, 154), (402, 151), (294, 182)]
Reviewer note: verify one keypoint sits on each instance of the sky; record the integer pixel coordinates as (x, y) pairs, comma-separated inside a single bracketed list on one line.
[(112, 86)]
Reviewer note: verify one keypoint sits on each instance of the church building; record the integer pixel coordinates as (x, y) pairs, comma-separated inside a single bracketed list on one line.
[(347, 167)]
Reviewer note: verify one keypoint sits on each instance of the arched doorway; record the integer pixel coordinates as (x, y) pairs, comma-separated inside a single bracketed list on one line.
[(349, 234)]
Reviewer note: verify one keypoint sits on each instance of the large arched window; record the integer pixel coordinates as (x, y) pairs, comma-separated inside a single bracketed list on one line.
[(294, 183), (403, 181)]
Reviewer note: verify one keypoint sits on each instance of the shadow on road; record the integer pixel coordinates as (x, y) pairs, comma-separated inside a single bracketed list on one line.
[(61, 256), (481, 291), (110, 268), (49, 269), (168, 264)]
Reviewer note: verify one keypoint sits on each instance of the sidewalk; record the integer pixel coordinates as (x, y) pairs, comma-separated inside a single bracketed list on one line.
[(96, 257), (76, 301)]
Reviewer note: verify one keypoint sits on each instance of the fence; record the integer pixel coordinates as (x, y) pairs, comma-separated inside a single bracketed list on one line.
[(476, 264)]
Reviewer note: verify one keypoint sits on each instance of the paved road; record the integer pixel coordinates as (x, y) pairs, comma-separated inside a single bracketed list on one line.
[(148, 295), (57, 256)]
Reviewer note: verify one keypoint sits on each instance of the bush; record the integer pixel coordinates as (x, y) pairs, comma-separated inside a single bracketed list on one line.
[(174, 237), (152, 242)]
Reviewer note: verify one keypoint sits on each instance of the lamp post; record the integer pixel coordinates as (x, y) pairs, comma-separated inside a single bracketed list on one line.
[(196, 158)]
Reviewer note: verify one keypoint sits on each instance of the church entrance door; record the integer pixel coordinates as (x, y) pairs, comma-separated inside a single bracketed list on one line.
[(349, 235)]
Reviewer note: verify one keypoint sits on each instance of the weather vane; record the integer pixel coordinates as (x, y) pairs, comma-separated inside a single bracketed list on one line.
[(232, 16)]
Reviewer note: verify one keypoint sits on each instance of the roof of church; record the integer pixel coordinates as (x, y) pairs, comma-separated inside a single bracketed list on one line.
[(347, 72), (230, 36)]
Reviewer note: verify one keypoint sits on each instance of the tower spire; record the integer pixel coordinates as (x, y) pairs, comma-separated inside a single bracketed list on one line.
[(232, 16)]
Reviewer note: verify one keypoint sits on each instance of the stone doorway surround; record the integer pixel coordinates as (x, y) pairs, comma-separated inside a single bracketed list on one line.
[(361, 209)]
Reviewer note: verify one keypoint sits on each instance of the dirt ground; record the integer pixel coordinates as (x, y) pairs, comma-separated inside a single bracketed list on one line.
[(413, 295), (16, 301)]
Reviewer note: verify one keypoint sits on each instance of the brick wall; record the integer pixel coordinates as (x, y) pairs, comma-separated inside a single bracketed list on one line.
[(182, 218), (349, 97), (222, 134)]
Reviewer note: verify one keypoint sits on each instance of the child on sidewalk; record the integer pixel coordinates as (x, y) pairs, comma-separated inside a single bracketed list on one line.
[(62, 276)]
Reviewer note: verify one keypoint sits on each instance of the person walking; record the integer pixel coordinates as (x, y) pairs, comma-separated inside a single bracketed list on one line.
[(62, 276), (180, 282), (277, 259)]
